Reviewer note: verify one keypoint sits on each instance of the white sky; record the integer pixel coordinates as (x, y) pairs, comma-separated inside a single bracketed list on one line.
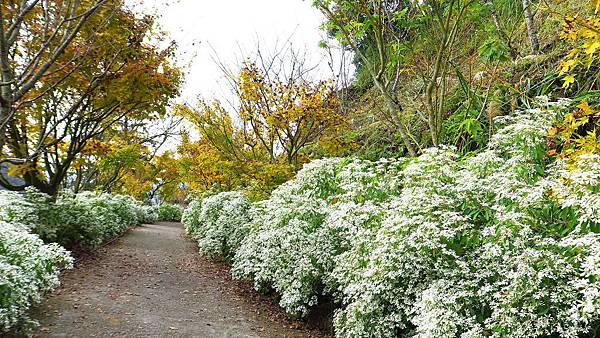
[(232, 28)]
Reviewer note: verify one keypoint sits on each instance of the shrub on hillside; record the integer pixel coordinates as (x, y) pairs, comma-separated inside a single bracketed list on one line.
[(28, 270), (169, 212), (502, 243)]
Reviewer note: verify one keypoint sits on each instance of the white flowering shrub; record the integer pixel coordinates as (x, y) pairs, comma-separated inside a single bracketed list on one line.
[(169, 212), (91, 218), (476, 247), (148, 214), (85, 219), (17, 210), (190, 217), (218, 223), (297, 234), (28, 270), (504, 243)]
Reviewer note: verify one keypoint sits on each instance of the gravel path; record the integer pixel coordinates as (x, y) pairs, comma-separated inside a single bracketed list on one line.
[(153, 283)]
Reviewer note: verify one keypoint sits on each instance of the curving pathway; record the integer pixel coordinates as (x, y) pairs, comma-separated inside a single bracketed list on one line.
[(153, 283)]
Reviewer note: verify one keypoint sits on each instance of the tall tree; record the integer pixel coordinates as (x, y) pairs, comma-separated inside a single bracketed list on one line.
[(447, 19), (394, 38), (275, 117), (379, 21)]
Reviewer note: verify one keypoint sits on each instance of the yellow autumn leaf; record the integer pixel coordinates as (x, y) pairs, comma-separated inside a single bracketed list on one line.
[(569, 119), (567, 65), (17, 170)]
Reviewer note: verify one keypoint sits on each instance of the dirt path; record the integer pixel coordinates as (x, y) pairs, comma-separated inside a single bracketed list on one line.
[(153, 283)]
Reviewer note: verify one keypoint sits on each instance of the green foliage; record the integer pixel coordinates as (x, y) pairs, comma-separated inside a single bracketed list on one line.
[(169, 212), (494, 50), (490, 51)]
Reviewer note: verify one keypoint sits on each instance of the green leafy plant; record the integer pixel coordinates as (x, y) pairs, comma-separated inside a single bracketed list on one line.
[(169, 212)]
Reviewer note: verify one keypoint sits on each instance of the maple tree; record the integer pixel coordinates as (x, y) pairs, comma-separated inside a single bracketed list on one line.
[(585, 35), (127, 160), (575, 134)]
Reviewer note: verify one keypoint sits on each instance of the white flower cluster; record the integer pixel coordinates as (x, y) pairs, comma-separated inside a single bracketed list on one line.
[(148, 214), (28, 269), (500, 244), (218, 223), (74, 219)]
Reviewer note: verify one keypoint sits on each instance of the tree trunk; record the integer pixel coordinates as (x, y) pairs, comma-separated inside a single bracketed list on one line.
[(6, 77), (533, 39), (78, 179)]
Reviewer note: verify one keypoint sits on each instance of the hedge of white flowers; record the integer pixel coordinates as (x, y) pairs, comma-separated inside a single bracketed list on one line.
[(149, 214), (169, 212), (29, 268), (504, 243), (218, 223), (85, 219)]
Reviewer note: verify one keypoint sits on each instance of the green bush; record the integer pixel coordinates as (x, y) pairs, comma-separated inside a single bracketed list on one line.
[(169, 212), (149, 214), (218, 223)]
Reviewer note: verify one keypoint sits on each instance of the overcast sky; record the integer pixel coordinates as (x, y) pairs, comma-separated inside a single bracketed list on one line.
[(198, 26)]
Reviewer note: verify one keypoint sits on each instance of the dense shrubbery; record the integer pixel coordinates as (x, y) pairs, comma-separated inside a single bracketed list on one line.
[(169, 212), (28, 269), (149, 215), (218, 223), (85, 219), (503, 243)]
